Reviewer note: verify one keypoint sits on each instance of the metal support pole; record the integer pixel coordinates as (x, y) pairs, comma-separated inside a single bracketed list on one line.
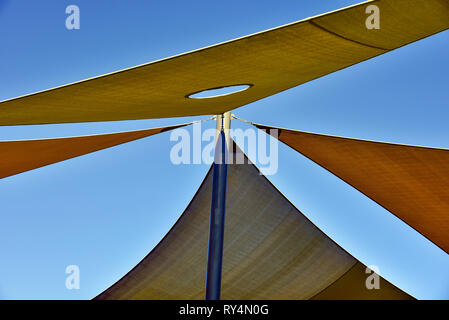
[(217, 210)]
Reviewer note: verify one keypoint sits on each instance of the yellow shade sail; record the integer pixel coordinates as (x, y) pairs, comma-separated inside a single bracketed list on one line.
[(270, 61), (271, 251), (23, 155), (352, 286), (411, 182)]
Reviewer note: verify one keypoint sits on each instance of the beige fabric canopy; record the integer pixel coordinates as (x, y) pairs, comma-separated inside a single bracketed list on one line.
[(271, 61), (271, 251), (23, 155), (411, 182)]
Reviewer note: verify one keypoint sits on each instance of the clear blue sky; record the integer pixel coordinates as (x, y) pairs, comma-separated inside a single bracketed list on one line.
[(105, 211)]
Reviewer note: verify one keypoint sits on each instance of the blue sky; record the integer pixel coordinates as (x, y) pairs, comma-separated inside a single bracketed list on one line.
[(105, 211)]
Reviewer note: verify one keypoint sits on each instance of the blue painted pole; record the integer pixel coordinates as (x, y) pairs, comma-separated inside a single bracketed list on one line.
[(217, 216)]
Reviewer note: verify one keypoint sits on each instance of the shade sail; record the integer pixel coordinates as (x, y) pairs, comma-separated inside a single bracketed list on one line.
[(271, 61), (23, 155), (271, 251), (411, 182), (351, 286)]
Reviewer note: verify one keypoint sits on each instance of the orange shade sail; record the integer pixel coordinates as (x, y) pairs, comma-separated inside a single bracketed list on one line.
[(23, 155), (411, 182)]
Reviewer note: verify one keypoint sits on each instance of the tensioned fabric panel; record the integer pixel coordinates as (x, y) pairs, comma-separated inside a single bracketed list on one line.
[(411, 182), (271, 61), (22, 155), (271, 250), (351, 286)]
